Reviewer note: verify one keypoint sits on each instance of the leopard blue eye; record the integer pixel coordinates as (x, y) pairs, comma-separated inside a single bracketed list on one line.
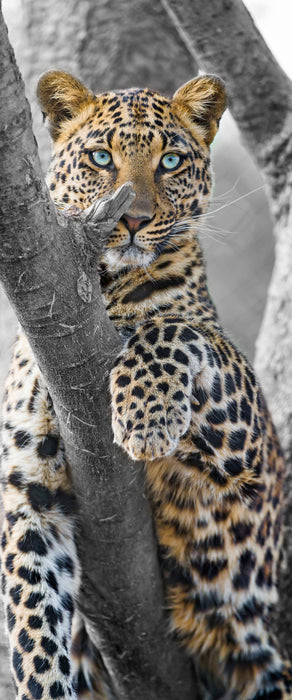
[(170, 161), (101, 158)]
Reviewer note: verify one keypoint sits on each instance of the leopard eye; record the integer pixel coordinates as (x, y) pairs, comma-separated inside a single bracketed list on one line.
[(101, 158), (170, 161)]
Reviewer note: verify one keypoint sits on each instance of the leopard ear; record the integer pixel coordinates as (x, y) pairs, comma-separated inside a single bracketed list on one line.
[(201, 102), (61, 97)]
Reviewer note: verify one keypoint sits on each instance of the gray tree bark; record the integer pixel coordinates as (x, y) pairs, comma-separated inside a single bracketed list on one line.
[(62, 313), (223, 38)]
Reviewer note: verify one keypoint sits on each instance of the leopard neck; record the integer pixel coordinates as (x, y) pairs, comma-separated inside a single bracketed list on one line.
[(174, 284)]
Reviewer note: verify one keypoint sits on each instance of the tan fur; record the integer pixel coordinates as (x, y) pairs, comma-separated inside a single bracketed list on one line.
[(61, 98), (203, 101)]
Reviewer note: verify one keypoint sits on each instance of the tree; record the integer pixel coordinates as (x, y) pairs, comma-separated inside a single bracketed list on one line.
[(247, 99)]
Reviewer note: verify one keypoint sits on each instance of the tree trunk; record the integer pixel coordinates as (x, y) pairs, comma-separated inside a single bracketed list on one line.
[(225, 41), (62, 313)]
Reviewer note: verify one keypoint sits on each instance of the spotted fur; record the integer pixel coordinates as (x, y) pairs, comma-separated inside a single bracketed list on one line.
[(184, 400)]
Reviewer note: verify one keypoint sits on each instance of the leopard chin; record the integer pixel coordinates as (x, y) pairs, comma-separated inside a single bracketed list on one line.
[(130, 256)]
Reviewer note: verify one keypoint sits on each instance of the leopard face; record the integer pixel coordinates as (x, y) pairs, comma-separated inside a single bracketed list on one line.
[(160, 145)]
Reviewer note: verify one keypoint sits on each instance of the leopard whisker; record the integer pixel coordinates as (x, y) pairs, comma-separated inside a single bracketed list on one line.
[(222, 196), (228, 204)]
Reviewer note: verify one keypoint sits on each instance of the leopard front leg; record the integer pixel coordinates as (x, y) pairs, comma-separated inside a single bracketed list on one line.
[(51, 654), (217, 508), (40, 571), (151, 387)]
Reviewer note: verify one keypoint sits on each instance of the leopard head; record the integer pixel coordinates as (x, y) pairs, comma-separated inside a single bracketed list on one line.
[(160, 145)]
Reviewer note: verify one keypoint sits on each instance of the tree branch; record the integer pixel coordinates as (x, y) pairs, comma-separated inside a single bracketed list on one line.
[(48, 266), (225, 40)]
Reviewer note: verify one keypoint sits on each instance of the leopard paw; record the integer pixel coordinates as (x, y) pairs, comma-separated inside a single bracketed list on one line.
[(149, 425)]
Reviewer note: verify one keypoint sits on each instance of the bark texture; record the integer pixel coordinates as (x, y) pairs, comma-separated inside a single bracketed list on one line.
[(225, 41), (61, 310)]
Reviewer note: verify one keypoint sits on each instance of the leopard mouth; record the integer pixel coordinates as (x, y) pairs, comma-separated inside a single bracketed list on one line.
[(129, 255)]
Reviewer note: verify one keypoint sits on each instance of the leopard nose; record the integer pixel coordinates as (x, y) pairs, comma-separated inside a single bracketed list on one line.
[(134, 224)]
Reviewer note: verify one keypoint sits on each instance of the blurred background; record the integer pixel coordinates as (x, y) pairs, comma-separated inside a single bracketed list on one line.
[(120, 43)]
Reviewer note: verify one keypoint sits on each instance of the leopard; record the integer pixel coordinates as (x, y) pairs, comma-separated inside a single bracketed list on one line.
[(185, 401)]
